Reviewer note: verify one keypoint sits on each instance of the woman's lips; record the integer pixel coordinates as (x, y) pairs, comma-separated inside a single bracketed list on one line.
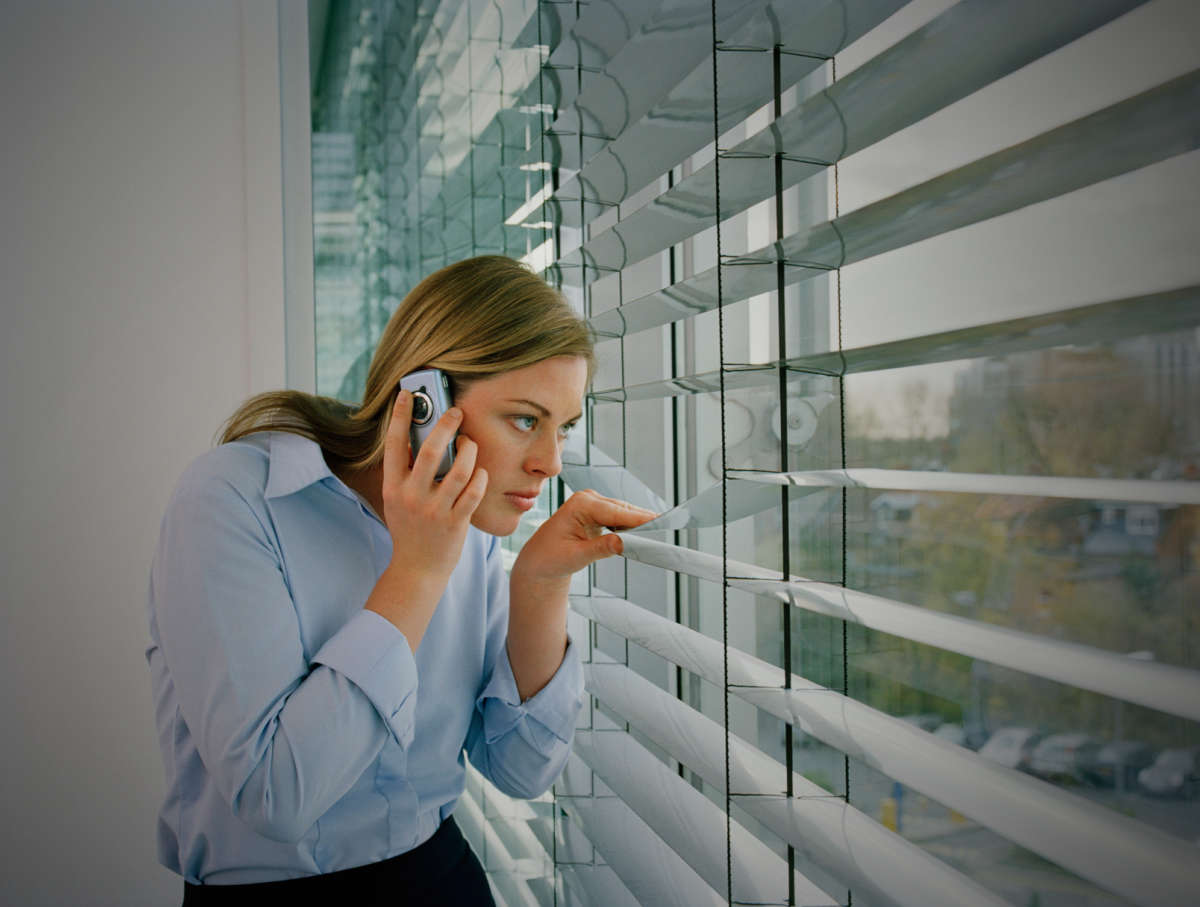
[(521, 501)]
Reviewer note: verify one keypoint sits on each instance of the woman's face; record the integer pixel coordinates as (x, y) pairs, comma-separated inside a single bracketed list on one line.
[(519, 420)]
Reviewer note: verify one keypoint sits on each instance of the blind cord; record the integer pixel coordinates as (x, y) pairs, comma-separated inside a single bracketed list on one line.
[(724, 468), (842, 438)]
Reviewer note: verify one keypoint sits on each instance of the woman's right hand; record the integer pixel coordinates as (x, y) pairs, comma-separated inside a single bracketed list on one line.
[(426, 518)]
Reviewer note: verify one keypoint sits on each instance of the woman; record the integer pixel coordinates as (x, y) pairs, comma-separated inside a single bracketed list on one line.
[(331, 625)]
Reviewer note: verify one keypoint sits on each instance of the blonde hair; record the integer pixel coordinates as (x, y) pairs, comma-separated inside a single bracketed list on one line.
[(473, 320)]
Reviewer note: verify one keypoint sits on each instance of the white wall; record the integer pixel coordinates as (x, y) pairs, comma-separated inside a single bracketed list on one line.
[(141, 292)]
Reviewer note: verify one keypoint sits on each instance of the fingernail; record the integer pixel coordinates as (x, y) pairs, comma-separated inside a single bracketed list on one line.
[(454, 413)]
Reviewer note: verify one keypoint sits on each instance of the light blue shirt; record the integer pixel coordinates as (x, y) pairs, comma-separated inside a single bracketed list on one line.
[(299, 732)]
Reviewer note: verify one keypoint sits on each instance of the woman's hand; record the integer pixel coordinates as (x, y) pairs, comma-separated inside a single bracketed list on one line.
[(427, 519), (567, 542), (574, 537)]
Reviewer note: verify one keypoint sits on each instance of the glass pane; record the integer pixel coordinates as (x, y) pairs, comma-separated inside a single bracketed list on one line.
[(1026, 315)]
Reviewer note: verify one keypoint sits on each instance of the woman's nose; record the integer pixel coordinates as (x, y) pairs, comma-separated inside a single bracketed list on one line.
[(546, 458)]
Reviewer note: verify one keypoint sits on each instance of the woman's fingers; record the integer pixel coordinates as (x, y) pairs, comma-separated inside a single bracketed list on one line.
[(610, 512), (607, 545), (396, 442), (469, 500), (460, 473), (424, 468), (574, 535)]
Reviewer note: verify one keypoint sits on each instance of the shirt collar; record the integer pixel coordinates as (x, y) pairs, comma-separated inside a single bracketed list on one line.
[(295, 463)]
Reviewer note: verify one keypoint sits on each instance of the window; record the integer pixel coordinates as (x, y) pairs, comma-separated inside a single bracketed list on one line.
[(898, 318)]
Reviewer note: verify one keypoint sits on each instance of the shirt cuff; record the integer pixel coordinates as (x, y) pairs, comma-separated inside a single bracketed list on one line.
[(553, 709), (372, 653)]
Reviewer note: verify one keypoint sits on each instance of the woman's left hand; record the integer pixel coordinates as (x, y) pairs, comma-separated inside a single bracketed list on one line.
[(571, 539), (574, 537)]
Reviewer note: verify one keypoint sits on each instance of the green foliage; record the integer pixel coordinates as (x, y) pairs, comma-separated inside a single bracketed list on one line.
[(1143, 579)]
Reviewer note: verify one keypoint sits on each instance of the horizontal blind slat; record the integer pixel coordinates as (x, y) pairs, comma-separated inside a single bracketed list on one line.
[(587, 466), (597, 886), (713, 505), (1158, 686), (681, 124), (672, 42), (507, 876), (1146, 491), (1101, 322), (816, 825), (690, 823), (858, 110), (652, 871), (594, 38), (1069, 830), (454, 164), (1134, 133)]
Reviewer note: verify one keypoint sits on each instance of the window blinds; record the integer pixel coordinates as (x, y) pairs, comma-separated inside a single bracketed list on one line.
[(897, 318)]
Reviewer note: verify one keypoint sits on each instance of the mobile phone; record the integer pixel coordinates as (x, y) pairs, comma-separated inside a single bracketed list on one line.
[(431, 398)]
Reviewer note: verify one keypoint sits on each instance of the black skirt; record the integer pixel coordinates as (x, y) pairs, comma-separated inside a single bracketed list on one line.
[(442, 871)]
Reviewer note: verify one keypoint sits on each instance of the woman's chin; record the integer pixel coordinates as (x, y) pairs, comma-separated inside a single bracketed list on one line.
[(486, 519)]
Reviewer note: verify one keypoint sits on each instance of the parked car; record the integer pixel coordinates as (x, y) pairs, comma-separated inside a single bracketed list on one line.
[(1064, 757), (954, 733), (975, 735), (926, 721), (1175, 773), (1117, 764), (1012, 746)]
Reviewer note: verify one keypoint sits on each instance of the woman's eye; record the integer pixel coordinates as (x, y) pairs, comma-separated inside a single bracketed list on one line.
[(567, 429), (524, 423)]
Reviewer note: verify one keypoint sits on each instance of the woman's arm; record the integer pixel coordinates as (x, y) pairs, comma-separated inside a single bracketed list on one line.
[(570, 540), (426, 518), (520, 738), (281, 737), (519, 743)]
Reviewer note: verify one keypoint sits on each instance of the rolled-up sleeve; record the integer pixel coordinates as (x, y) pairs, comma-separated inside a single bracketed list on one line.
[(372, 653), (282, 738), (522, 746)]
